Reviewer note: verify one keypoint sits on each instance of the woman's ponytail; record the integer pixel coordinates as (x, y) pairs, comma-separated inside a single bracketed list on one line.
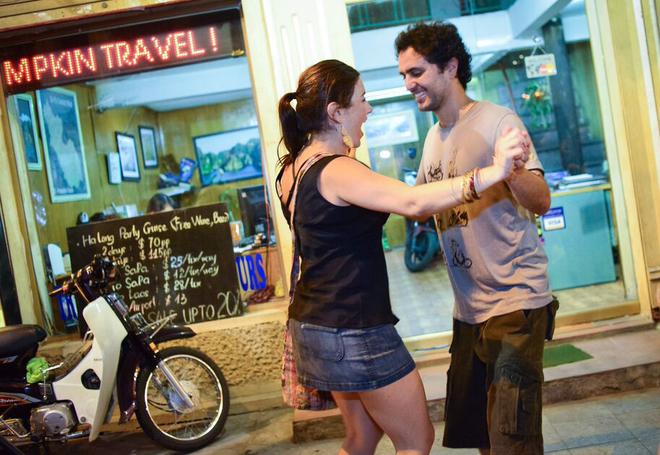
[(294, 139), (319, 85)]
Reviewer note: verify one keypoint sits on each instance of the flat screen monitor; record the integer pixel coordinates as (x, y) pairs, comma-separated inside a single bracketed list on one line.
[(252, 202)]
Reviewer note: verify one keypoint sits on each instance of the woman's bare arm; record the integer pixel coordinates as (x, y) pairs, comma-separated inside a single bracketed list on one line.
[(346, 181)]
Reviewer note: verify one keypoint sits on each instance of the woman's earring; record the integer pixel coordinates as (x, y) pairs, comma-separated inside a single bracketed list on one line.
[(346, 138)]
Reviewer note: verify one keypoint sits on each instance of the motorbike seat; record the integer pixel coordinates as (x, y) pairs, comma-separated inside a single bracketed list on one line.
[(16, 339)]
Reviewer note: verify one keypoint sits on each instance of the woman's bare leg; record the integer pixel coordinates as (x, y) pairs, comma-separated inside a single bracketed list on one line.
[(362, 433), (400, 410)]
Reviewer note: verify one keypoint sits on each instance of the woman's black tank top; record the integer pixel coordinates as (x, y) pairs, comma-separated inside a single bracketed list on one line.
[(343, 280)]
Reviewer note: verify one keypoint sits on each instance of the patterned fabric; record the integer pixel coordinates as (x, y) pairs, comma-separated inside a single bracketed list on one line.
[(295, 394)]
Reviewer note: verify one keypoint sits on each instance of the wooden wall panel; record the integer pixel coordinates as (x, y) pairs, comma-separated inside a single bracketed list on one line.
[(60, 216), (175, 131), (13, 8), (98, 131), (18, 14), (125, 121), (180, 127)]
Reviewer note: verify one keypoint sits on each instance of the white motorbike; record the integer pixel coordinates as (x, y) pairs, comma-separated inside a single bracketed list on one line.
[(179, 395)]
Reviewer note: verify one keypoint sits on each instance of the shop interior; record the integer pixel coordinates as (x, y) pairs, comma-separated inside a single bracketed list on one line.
[(561, 112), (191, 132)]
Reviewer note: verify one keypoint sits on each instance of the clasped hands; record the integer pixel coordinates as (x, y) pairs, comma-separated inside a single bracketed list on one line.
[(512, 150)]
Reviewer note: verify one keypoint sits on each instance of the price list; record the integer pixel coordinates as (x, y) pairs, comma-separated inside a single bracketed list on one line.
[(173, 263)]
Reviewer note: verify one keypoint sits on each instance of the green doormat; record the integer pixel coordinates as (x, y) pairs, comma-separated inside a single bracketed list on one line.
[(563, 353)]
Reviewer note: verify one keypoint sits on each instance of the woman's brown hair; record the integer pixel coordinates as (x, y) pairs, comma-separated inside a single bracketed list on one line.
[(319, 85)]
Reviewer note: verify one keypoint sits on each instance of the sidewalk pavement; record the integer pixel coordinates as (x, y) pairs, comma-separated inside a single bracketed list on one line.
[(618, 411), (619, 424)]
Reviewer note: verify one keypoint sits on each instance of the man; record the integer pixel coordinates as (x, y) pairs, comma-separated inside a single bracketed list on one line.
[(503, 307)]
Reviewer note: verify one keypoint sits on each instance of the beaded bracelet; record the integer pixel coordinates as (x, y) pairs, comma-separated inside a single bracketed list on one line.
[(473, 183), (469, 188), (465, 187)]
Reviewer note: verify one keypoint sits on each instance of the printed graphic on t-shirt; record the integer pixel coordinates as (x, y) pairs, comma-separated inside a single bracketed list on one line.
[(458, 258), (434, 173), (458, 216)]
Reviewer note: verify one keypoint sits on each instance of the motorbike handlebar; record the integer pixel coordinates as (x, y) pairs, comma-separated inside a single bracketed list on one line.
[(91, 280)]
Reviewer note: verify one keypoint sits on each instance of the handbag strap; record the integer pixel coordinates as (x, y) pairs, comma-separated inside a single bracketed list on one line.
[(295, 264)]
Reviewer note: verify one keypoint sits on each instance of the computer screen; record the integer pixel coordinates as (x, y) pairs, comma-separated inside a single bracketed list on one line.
[(252, 202)]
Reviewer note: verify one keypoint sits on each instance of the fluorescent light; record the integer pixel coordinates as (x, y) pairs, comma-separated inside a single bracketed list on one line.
[(387, 93)]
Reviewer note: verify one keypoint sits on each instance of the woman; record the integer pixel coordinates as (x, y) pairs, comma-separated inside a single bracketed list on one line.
[(161, 202), (341, 320)]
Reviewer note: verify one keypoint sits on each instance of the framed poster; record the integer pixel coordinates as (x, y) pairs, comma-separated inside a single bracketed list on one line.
[(391, 128), (28, 122), (114, 168), (64, 149), (148, 143), (228, 156), (128, 159)]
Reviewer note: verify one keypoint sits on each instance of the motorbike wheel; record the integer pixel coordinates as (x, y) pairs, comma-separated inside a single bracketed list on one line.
[(418, 257), (157, 402)]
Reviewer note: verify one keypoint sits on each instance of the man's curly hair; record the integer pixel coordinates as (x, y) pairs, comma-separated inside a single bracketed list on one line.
[(438, 42)]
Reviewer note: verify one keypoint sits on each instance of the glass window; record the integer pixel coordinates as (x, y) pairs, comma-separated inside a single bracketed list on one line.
[(385, 13), (561, 112), (140, 120), (374, 14), (469, 7)]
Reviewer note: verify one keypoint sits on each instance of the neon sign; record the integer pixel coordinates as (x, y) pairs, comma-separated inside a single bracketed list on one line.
[(103, 57)]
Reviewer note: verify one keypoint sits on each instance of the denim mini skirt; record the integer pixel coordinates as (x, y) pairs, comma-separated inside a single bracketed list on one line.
[(349, 360)]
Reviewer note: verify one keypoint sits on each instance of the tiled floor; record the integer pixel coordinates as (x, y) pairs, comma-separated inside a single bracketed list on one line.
[(621, 424), (423, 301), (618, 424)]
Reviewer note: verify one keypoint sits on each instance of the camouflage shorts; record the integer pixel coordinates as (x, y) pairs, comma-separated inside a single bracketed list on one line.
[(494, 382)]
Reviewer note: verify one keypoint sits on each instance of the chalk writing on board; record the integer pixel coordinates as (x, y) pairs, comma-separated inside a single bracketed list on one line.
[(179, 262)]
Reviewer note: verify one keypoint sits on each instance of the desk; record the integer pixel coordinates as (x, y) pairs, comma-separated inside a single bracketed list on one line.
[(577, 232)]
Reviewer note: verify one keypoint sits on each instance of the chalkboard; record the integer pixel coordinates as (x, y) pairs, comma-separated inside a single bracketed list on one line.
[(178, 262)]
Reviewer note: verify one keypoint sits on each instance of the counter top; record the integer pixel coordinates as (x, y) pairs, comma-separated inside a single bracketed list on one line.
[(584, 189)]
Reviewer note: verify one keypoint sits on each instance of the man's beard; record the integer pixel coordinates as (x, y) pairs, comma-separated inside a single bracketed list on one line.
[(431, 104)]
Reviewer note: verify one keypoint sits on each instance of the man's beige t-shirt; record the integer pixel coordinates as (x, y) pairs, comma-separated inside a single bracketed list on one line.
[(495, 259)]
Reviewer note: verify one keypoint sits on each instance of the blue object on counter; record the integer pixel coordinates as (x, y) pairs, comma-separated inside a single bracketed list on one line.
[(578, 240), (186, 169)]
